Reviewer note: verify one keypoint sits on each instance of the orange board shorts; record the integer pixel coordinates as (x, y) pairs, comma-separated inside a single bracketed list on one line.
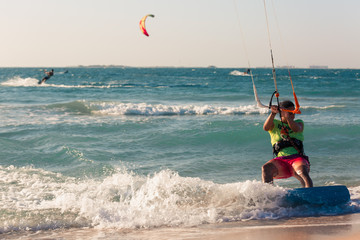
[(285, 165)]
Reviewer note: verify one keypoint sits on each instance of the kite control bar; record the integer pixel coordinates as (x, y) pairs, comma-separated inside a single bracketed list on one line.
[(297, 105)]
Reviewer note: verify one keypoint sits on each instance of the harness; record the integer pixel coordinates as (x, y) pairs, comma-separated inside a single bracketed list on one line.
[(288, 142)]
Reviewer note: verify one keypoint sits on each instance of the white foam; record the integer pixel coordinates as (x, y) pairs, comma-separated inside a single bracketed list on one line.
[(323, 107), (79, 111), (126, 200), (21, 82), (163, 110), (73, 86), (37, 199), (33, 82)]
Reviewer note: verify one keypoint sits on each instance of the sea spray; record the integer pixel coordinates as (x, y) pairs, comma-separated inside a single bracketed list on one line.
[(36, 199), (21, 82)]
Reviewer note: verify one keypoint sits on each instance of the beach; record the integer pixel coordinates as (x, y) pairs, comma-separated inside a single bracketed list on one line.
[(345, 227)]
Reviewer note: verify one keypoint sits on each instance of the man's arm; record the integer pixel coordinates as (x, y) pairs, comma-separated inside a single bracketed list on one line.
[(269, 123), (295, 126)]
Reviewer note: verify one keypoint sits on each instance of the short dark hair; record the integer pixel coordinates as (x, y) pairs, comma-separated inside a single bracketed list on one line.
[(287, 104)]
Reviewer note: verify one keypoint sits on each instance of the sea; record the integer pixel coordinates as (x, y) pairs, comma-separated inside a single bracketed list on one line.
[(142, 148)]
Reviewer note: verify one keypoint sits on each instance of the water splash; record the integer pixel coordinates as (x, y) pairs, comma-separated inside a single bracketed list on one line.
[(33, 199)]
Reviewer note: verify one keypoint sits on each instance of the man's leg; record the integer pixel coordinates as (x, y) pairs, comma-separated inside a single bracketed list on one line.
[(303, 172), (269, 170)]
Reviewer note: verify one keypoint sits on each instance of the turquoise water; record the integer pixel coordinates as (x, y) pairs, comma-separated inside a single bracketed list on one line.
[(149, 147)]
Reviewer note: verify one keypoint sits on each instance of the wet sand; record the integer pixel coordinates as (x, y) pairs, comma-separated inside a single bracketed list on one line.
[(345, 227)]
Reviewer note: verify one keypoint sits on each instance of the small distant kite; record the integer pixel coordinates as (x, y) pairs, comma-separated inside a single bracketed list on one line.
[(142, 24)]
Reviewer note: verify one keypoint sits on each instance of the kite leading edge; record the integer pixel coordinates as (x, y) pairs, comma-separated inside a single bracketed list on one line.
[(142, 24)]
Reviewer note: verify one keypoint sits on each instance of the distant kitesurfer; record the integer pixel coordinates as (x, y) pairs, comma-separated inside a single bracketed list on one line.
[(247, 71), (287, 140), (48, 75)]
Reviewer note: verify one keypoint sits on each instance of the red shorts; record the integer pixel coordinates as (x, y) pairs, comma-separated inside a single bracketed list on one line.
[(286, 165)]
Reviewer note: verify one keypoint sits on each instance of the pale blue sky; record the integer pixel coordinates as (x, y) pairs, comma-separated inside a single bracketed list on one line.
[(190, 33)]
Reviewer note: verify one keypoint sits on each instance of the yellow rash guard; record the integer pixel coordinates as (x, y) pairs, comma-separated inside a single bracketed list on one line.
[(275, 135)]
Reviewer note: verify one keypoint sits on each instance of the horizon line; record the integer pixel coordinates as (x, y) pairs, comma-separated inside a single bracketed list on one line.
[(210, 66)]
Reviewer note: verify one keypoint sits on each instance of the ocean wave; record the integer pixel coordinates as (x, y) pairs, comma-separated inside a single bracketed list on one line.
[(145, 109), (75, 107), (33, 82), (74, 86), (35, 199), (79, 112), (323, 107)]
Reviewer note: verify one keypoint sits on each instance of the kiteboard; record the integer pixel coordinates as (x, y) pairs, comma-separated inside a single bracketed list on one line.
[(325, 195)]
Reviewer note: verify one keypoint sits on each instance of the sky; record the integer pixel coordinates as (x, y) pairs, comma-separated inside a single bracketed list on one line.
[(184, 33)]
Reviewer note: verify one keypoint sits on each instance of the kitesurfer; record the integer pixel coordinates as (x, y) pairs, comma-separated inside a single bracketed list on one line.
[(286, 138), (48, 75)]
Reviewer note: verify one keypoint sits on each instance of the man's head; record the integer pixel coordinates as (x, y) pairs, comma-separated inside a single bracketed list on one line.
[(287, 105)]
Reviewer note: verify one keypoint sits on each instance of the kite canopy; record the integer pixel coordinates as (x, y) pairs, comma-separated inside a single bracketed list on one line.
[(142, 24)]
